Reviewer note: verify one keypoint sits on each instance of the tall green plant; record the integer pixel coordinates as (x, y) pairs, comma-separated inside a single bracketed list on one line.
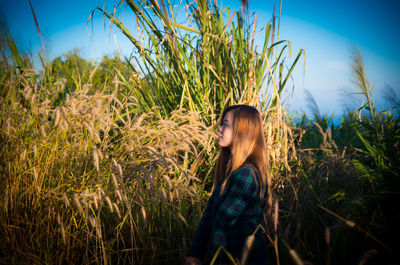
[(205, 64), (378, 163), (362, 83)]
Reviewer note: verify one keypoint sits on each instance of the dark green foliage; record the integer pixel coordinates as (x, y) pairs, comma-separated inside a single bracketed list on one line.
[(350, 188), (352, 172)]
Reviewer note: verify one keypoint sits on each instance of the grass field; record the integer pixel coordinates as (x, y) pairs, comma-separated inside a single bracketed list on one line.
[(111, 163)]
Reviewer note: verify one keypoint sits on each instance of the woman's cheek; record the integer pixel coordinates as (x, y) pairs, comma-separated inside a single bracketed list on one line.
[(229, 137)]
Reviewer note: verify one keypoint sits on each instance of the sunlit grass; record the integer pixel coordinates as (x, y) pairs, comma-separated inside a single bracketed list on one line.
[(91, 177)]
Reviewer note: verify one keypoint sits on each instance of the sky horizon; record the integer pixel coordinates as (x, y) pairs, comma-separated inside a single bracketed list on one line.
[(327, 31)]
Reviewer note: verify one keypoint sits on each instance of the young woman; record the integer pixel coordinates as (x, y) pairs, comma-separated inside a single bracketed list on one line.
[(241, 193)]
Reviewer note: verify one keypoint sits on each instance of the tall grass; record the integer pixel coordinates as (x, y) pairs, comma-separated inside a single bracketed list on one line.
[(204, 59), (97, 175), (89, 181), (116, 168), (208, 60)]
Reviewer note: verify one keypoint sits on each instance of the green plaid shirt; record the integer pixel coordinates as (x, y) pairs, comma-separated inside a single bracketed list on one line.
[(230, 218)]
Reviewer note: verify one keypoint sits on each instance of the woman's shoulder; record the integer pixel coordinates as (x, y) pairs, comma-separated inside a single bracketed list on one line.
[(244, 179), (246, 172)]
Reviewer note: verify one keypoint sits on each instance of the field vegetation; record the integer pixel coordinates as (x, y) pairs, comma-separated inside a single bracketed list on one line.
[(112, 162)]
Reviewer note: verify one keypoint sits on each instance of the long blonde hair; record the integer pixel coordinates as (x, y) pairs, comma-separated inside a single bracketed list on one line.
[(248, 148)]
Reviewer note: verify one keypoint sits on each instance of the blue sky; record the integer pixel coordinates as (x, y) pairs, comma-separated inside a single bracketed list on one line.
[(326, 29)]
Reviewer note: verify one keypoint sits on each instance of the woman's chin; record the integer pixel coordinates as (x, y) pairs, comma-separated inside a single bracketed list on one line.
[(221, 144)]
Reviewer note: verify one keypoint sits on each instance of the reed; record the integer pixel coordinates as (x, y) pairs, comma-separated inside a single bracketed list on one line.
[(206, 61)]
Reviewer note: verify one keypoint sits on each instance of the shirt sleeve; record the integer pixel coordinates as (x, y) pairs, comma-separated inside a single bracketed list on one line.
[(240, 191), (202, 236)]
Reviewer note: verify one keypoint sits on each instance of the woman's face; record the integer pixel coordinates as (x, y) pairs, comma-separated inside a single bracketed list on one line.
[(226, 131)]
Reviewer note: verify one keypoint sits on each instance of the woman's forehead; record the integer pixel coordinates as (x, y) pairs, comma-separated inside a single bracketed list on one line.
[(228, 116)]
